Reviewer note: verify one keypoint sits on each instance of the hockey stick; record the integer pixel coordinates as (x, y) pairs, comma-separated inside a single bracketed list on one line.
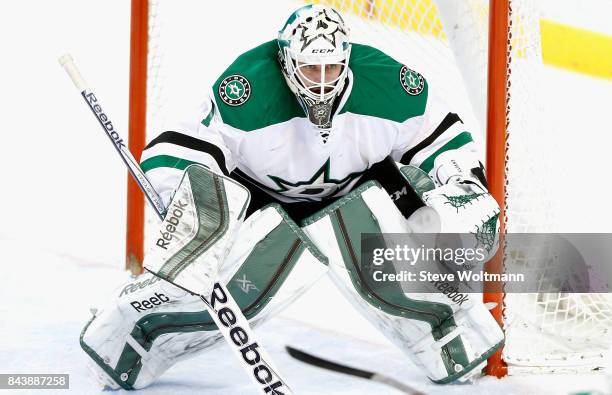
[(131, 163), (340, 368), (222, 307)]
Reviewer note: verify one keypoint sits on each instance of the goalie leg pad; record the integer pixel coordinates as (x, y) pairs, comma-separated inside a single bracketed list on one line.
[(151, 324), (448, 340)]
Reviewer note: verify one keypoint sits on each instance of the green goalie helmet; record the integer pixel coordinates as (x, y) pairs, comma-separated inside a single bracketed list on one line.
[(314, 51)]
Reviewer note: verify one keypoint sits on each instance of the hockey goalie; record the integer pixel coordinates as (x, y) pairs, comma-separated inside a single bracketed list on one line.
[(304, 143)]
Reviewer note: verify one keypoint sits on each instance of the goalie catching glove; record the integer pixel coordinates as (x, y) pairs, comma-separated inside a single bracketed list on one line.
[(459, 195)]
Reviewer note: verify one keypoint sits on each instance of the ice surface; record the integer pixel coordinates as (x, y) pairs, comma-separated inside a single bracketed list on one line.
[(46, 298)]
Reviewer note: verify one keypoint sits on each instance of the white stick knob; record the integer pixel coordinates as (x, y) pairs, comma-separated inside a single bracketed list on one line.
[(68, 64)]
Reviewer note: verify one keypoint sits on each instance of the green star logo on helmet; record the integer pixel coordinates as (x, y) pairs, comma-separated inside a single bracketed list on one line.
[(235, 90), (412, 82), (320, 26)]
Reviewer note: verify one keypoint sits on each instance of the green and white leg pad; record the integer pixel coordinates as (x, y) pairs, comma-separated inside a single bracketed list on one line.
[(449, 340), (150, 324)]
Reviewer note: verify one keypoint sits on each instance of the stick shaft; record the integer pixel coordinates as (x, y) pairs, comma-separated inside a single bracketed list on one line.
[(103, 119), (341, 368)]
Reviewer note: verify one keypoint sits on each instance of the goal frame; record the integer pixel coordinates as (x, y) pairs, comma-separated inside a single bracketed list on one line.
[(497, 123), (137, 126), (496, 130)]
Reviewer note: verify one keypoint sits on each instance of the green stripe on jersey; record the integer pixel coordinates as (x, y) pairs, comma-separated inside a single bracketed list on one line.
[(458, 141), (165, 161), (209, 117)]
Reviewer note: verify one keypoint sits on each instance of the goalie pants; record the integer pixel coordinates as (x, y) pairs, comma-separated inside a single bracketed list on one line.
[(384, 172)]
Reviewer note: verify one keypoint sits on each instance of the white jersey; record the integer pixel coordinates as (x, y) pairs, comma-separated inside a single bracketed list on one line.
[(253, 127)]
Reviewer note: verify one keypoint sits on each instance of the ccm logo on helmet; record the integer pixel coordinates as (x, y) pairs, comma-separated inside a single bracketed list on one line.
[(322, 50)]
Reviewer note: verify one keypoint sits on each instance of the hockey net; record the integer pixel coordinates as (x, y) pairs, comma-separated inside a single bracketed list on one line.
[(190, 42)]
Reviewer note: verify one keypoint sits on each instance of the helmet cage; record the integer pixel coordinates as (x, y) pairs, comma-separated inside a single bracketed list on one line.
[(322, 90), (315, 35)]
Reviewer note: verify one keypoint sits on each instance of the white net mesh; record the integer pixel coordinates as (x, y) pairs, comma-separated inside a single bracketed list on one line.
[(546, 332), (192, 41)]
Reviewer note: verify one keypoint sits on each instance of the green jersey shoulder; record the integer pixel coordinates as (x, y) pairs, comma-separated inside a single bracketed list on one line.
[(383, 87), (252, 93)]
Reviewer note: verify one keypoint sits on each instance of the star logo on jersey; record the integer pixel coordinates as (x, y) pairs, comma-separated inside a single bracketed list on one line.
[(319, 26), (235, 90), (320, 185), (412, 82)]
